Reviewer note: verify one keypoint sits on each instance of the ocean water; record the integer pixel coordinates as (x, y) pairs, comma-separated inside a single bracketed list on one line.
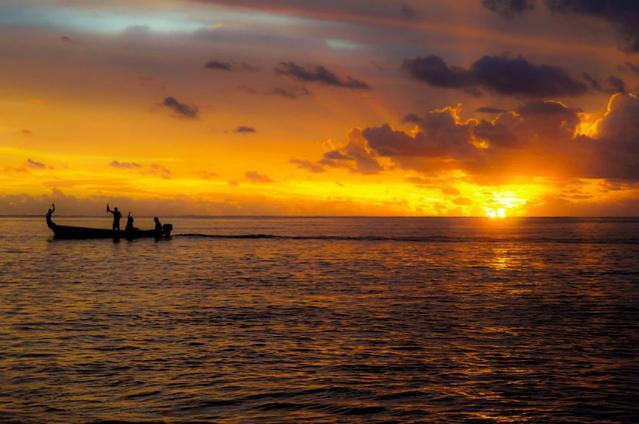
[(322, 320)]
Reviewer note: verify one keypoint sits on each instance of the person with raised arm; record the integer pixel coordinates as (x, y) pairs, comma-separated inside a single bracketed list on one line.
[(116, 217), (50, 212), (158, 227)]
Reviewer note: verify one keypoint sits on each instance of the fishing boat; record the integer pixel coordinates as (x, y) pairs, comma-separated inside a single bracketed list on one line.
[(69, 232)]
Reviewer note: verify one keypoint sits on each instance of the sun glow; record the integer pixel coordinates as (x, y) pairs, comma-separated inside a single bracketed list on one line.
[(588, 125), (503, 204), (495, 213)]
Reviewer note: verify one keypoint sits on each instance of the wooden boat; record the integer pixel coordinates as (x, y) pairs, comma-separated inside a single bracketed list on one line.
[(69, 232)]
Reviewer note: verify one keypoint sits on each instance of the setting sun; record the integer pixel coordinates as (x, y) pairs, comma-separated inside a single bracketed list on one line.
[(495, 213)]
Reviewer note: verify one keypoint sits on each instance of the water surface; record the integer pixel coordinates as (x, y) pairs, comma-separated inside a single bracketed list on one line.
[(323, 319)]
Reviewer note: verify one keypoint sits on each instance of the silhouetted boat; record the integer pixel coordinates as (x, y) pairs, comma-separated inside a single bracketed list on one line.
[(69, 232)]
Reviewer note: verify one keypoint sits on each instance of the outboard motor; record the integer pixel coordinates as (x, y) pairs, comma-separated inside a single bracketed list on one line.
[(166, 230)]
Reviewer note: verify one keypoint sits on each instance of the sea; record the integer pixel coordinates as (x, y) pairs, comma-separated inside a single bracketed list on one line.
[(328, 320)]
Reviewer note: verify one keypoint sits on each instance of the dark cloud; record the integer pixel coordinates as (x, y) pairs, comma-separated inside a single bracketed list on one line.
[(506, 75), (612, 84), (442, 134), (412, 118), (629, 67), (183, 110), (434, 71), (160, 171), (623, 15), (516, 76), (615, 153), (547, 108), (34, 164), (548, 120), (218, 65), (125, 165), (335, 155), (290, 93), (489, 110), (593, 82), (153, 169), (27, 132), (534, 130), (540, 138), (320, 75), (618, 85), (256, 177), (509, 8), (356, 155), (308, 165), (244, 130)]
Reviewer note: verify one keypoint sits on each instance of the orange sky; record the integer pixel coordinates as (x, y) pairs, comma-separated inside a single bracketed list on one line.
[(316, 108)]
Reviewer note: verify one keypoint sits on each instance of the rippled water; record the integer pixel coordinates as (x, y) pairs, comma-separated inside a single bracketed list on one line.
[(329, 320)]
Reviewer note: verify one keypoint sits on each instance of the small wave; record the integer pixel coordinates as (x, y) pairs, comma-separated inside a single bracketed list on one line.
[(143, 394), (417, 239), (402, 395)]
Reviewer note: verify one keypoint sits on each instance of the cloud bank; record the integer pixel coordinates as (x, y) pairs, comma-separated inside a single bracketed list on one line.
[(539, 138), (505, 75), (622, 15)]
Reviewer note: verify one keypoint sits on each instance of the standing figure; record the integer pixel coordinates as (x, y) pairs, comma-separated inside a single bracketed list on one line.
[(50, 212), (116, 217), (129, 224), (158, 227)]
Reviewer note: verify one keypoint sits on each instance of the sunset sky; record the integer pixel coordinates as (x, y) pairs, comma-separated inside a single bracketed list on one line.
[(307, 107)]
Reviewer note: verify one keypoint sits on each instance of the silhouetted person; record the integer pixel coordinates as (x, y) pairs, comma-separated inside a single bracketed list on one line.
[(50, 212), (116, 217), (129, 224), (158, 227)]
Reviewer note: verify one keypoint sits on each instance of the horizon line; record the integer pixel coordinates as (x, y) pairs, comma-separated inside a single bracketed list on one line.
[(332, 216)]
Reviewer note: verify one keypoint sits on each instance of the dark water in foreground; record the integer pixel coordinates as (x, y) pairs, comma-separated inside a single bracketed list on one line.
[(336, 320)]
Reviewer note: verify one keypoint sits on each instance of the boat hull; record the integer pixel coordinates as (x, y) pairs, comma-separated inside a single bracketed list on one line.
[(67, 232)]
